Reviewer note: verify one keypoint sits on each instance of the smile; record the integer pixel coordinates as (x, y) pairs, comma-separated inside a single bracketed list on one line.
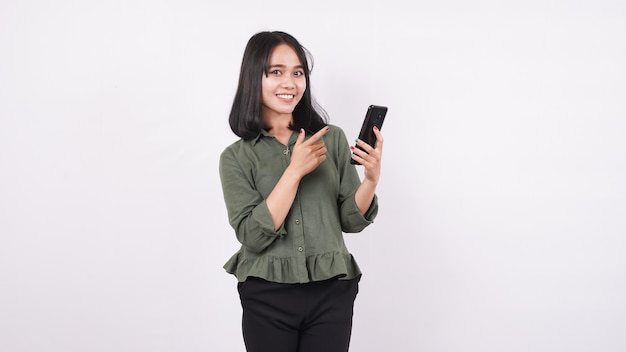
[(285, 96)]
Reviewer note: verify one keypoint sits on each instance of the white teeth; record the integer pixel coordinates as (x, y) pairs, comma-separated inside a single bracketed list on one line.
[(285, 96)]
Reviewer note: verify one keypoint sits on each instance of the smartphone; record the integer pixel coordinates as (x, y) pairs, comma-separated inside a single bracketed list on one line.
[(374, 116)]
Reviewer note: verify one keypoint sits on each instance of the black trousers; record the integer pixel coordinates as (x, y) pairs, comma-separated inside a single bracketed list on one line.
[(311, 317)]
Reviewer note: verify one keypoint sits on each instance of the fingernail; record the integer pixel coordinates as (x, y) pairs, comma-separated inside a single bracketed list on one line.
[(352, 147), (356, 140), (327, 128), (376, 128), (301, 131)]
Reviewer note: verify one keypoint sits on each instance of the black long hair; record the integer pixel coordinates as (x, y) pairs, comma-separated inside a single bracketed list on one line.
[(245, 115)]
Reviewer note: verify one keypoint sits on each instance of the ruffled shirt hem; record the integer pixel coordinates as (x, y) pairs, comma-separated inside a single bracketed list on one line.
[(285, 270)]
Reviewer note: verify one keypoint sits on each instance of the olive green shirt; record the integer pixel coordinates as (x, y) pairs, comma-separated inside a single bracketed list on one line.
[(309, 246)]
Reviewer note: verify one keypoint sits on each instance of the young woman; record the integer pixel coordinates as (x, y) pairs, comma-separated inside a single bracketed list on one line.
[(291, 192)]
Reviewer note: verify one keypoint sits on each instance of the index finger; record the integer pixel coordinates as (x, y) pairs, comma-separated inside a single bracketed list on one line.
[(314, 138)]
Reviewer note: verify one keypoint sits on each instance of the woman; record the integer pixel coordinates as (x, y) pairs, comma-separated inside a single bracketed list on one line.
[(291, 192)]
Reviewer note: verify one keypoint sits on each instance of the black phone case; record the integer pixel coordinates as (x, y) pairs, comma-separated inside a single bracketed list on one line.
[(374, 116)]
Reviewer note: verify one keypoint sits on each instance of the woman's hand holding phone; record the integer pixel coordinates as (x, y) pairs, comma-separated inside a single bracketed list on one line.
[(369, 156)]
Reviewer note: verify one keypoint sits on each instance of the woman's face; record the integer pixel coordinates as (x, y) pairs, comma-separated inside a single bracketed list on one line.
[(283, 87)]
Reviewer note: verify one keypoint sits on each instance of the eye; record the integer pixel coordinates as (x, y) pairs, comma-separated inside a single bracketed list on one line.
[(298, 73), (276, 72)]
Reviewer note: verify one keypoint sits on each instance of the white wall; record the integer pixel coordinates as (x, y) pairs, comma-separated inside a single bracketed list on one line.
[(502, 223)]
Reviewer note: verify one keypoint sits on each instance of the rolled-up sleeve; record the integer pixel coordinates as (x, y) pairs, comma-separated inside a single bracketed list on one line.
[(351, 218), (247, 211)]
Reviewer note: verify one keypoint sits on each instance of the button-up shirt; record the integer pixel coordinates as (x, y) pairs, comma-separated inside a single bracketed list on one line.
[(309, 245)]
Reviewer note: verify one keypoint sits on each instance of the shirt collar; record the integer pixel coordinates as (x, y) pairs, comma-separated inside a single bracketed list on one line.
[(264, 133), (261, 134)]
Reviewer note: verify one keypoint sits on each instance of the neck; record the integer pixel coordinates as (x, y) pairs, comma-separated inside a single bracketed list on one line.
[(278, 126), (277, 121)]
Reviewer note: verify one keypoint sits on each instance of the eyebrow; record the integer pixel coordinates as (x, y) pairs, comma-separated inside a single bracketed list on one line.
[(282, 66)]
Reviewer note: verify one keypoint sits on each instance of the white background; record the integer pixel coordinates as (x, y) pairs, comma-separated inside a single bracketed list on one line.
[(502, 204)]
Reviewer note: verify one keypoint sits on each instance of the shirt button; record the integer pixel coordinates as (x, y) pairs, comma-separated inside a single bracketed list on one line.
[(300, 249), (286, 151), (297, 222)]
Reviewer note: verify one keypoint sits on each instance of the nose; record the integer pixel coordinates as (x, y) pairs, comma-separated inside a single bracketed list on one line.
[(288, 81)]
